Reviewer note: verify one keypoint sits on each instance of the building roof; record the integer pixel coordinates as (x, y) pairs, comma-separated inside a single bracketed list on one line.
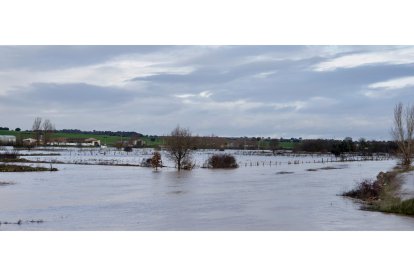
[(91, 140)]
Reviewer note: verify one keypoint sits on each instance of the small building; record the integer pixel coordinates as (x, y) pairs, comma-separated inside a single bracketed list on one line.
[(138, 143), (92, 142), (29, 142), (7, 139)]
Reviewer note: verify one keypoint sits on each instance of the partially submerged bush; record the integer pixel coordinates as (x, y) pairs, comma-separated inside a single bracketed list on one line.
[(375, 190), (128, 149), (187, 164), (222, 161), (367, 190), (146, 162)]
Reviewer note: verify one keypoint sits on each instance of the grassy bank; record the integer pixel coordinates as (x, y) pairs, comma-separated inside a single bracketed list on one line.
[(381, 194)]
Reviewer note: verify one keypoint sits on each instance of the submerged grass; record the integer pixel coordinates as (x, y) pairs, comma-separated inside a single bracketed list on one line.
[(20, 222), (3, 183), (284, 172), (330, 168), (20, 168)]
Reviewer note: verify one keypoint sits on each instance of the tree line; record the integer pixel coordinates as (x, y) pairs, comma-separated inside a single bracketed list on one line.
[(339, 147)]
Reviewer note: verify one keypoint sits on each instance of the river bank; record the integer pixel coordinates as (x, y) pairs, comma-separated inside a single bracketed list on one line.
[(390, 192)]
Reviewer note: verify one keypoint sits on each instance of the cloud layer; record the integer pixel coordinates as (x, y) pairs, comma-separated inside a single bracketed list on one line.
[(277, 91)]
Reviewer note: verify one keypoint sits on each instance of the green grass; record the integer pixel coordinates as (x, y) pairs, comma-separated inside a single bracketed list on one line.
[(112, 140), (287, 145), (109, 140), (405, 207), (105, 139), (282, 145), (18, 134), (156, 143)]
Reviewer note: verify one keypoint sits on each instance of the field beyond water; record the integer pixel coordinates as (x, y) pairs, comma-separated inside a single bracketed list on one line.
[(113, 140), (105, 139), (105, 189)]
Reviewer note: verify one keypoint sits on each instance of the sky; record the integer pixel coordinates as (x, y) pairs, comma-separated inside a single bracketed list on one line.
[(266, 91)]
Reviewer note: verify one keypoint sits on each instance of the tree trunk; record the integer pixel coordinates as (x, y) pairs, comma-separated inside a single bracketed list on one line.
[(179, 164)]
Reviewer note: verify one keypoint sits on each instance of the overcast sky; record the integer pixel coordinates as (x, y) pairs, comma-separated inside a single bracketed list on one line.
[(277, 91)]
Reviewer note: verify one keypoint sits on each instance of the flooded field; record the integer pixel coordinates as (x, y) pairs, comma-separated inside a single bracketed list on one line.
[(265, 193)]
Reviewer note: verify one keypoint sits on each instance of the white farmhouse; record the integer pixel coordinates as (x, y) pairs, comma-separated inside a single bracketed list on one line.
[(92, 142), (29, 141)]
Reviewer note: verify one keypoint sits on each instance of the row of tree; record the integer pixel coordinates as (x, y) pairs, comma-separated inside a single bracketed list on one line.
[(103, 132), (6, 128), (337, 147)]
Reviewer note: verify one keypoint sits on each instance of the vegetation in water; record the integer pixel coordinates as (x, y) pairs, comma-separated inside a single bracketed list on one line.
[(20, 168), (222, 161)]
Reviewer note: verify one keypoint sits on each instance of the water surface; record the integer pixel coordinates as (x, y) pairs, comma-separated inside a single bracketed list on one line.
[(265, 197)]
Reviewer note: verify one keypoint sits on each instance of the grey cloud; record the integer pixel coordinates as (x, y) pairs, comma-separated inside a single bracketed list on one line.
[(47, 57), (74, 94), (255, 90)]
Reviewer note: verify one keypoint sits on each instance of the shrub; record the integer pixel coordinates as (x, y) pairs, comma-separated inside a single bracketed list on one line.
[(146, 162), (128, 149), (222, 161), (187, 164), (156, 161), (368, 189)]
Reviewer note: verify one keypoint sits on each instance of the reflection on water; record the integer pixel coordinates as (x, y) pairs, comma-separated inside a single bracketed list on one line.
[(265, 197)]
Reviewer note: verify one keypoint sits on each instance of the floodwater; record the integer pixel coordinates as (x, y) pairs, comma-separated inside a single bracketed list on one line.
[(257, 196)]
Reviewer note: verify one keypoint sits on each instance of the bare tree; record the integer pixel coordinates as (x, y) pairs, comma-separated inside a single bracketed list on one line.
[(37, 129), (403, 132), (48, 129), (179, 146)]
